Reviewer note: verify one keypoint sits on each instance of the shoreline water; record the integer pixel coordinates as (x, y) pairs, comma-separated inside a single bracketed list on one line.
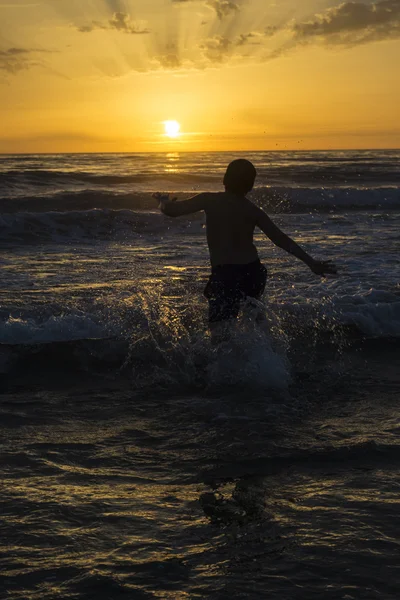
[(139, 461)]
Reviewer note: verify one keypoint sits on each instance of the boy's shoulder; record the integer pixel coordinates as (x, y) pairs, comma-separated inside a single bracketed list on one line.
[(215, 198), (212, 198), (228, 197)]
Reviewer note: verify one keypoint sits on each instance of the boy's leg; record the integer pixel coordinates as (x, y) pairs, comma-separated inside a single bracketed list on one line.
[(253, 289), (224, 297), (219, 332), (222, 313)]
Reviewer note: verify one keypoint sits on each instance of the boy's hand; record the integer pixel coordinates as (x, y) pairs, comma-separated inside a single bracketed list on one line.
[(163, 199), (323, 267)]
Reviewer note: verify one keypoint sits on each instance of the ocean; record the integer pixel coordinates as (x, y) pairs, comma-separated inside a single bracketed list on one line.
[(139, 461)]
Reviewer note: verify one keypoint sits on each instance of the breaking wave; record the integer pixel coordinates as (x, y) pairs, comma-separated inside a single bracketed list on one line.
[(159, 347), (161, 352), (277, 199), (83, 225), (86, 215)]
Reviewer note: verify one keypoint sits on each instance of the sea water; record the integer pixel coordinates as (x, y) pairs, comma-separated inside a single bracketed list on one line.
[(139, 460)]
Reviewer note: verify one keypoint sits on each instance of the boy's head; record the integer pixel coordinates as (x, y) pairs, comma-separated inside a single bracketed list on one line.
[(240, 176)]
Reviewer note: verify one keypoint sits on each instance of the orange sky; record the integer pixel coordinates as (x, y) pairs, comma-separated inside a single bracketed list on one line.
[(103, 75)]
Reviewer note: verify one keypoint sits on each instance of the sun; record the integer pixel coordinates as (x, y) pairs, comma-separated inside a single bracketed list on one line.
[(172, 128)]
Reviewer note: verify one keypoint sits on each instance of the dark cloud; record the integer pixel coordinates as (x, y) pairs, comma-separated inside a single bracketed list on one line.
[(216, 48), (14, 60), (345, 25), (248, 38), (352, 23), (89, 28), (271, 30), (15, 52), (120, 22), (214, 51), (169, 58), (223, 8), (221, 48), (115, 6)]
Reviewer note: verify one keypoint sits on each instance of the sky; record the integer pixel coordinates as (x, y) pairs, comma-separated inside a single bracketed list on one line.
[(105, 75)]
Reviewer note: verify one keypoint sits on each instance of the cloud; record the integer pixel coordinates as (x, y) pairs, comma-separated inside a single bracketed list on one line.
[(346, 25), (115, 5), (120, 22), (169, 58), (216, 48), (15, 52), (248, 38), (220, 48), (212, 52), (90, 28), (223, 8), (352, 23), (14, 60), (271, 30)]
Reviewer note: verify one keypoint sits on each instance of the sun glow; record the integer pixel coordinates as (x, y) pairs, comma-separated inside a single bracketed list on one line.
[(172, 128)]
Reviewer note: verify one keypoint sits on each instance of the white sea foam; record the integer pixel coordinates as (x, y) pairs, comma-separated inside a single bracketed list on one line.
[(249, 358), (376, 313), (59, 328)]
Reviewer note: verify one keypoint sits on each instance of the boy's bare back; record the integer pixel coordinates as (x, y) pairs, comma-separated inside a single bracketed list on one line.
[(230, 228), (231, 221), (232, 218)]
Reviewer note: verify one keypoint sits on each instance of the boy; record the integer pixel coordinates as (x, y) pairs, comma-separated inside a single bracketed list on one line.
[(231, 218)]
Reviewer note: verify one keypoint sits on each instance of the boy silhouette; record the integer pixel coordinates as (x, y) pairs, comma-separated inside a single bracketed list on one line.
[(231, 219)]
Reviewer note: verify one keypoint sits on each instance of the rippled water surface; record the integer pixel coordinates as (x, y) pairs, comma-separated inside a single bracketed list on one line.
[(178, 493), (139, 461)]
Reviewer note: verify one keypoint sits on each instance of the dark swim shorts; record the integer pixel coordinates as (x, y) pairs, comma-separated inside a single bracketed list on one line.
[(229, 285)]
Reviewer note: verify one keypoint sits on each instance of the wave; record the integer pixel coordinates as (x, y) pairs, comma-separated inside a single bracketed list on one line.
[(44, 177), (130, 215), (159, 358), (374, 314), (275, 199), (77, 201), (178, 349), (301, 172), (292, 200), (78, 226), (249, 362)]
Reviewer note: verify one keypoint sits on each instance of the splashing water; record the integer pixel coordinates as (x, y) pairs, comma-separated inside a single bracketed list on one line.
[(179, 350)]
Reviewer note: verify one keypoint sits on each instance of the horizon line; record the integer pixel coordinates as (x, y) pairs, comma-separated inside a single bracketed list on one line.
[(204, 151)]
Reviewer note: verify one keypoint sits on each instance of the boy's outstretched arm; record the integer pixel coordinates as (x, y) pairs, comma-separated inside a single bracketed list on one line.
[(319, 267), (170, 207)]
